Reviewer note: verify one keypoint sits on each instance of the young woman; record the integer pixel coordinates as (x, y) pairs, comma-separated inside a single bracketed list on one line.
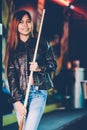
[(18, 62)]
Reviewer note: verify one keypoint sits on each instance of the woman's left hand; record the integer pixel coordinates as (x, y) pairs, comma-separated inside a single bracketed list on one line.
[(34, 66)]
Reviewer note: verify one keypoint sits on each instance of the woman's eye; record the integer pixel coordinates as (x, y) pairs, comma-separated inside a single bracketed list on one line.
[(29, 21), (21, 22)]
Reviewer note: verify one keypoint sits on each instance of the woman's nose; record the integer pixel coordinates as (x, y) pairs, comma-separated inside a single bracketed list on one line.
[(25, 24)]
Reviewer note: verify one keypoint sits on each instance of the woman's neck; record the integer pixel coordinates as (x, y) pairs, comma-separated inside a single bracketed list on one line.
[(24, 38)]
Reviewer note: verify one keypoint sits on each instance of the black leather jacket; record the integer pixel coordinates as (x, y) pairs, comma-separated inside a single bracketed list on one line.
[(18, 67)]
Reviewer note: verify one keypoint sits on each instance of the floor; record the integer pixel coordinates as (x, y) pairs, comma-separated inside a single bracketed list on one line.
[(75, 119)]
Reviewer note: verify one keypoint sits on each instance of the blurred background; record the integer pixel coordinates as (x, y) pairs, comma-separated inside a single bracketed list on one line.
[(65, 28)]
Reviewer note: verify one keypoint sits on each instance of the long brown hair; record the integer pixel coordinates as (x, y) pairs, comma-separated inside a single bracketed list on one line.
[(13, 32)]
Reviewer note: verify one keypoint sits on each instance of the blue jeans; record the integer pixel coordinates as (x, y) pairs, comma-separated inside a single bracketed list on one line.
[(36, 105)]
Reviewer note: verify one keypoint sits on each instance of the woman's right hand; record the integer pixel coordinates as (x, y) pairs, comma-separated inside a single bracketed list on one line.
[(19, 107)]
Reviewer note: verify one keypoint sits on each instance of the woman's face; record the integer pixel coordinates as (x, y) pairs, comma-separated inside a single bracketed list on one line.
[(25, 26)]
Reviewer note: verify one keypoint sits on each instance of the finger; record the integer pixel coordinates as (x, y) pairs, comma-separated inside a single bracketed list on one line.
[(22, 112), (31, 63)]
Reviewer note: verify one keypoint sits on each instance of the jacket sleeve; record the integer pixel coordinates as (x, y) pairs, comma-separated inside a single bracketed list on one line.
[(50, 64), (13, 81)]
